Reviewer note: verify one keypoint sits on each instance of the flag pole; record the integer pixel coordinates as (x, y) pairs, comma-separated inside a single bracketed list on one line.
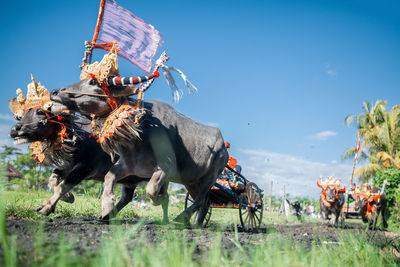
[(99, 21), (90, 45), (355, 159)]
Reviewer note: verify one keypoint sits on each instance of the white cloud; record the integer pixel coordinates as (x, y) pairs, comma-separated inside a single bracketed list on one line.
[(330, 70), (6, 117), (324, 135), (297, 174)]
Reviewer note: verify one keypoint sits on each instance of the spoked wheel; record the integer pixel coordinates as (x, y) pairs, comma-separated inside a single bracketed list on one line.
[(188, 202), (251, 208)]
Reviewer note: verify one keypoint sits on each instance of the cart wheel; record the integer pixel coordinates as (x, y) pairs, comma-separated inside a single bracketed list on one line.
[(251, 207), (189, 201)]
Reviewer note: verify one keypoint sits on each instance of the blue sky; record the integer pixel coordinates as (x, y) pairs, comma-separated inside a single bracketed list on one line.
[(277, 77)]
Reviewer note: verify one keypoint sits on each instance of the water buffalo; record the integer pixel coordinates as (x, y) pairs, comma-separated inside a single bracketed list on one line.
[(164, 145), (370, 205), (331, 202), (81, 157)]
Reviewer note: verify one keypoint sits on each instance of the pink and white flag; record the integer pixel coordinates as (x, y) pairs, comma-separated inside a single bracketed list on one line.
[(138, 41)]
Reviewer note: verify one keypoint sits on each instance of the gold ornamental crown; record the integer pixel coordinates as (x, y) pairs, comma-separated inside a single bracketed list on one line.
[(108, 66), (37, 96), (366, 192), (331, 181)]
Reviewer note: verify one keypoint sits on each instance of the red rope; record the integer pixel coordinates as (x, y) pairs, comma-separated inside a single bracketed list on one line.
[(110, 100), (62, 133)]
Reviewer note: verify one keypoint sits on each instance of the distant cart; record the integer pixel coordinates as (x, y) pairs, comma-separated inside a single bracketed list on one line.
[(349, 209), (233, 190)]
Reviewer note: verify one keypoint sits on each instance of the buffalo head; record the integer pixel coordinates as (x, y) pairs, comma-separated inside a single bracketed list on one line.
[(331, 193), (87, 97), (361, 205), (364, 204), (33, 126)]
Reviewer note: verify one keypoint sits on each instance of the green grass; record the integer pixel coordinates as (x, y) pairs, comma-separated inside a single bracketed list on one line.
[(125, 246), (175, 250), (22, 205)]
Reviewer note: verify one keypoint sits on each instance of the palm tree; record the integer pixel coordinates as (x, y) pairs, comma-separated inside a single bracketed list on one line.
[(8, 152), (380, 132)]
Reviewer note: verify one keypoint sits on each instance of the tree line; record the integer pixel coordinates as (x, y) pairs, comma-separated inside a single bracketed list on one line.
[(379, 132)]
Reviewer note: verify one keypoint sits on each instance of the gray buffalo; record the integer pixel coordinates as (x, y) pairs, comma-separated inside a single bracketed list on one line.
[(331, 203), (164, 145), (81, 157)]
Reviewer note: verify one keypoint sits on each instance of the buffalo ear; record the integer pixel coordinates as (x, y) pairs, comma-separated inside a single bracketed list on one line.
[(40, 111), (93, 82)]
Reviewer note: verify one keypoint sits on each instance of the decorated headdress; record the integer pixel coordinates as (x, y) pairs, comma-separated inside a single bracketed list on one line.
[(37, 96), (108, 66), (330, 181), (366, 192)]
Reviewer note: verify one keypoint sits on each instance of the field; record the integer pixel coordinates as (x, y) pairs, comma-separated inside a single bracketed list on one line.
[(73, 236)]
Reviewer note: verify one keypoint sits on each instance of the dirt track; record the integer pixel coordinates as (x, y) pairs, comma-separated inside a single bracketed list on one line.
[(86, 233)]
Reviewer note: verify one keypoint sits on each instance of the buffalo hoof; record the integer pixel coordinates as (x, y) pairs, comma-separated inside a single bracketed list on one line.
[(182, 218), (68, 197), (38, 208), (165, 221), (105, 219), (45, 209)]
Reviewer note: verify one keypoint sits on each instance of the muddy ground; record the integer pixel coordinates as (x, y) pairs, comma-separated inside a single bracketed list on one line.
[(86, 234)]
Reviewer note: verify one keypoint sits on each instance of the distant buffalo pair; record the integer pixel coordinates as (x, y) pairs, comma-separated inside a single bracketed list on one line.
[(165, 146), (332, 200)]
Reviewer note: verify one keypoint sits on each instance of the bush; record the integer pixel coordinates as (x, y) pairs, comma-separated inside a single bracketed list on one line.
[(393, 177), (392, 191)]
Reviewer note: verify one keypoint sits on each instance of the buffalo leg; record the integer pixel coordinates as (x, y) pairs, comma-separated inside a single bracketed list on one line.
[(325, 217), (200, 201), (165, 202), (157, 187), (126, 197), (54, 180), (335, 218), (117, 172), (167, 169), (203, 210), (73, 178), (383, 214), (157, 190)]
